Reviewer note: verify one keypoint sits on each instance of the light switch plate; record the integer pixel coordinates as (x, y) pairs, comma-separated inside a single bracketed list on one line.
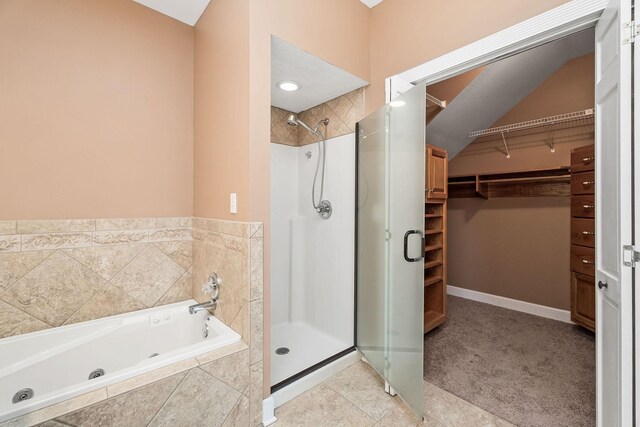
[(233, 203)]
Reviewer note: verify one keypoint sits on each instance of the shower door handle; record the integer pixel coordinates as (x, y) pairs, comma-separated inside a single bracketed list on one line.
[(406, 245)]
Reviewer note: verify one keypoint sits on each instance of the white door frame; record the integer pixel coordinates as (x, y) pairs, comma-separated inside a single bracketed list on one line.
[(563, 20)]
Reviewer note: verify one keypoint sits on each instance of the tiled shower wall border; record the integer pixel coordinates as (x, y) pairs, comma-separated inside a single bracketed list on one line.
[(233, 249), (343, 112)]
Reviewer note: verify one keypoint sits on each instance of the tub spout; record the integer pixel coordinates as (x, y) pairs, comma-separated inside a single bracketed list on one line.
[(193, 309)]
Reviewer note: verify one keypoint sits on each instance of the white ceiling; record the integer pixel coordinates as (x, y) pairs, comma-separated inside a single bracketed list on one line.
[(500, 87), (371, 3), (319, 81), (187, 11)]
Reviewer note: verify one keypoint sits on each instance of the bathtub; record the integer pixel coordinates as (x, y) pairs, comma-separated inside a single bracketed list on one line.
[(57, 363)]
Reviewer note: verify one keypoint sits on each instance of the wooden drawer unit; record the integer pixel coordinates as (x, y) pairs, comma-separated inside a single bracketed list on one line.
[(583, 300), (583, 159), (583, 260), (583, 238), (583, 232), (582, 183), (583, 207)]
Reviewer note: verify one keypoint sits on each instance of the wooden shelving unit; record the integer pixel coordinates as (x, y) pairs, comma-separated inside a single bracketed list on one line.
[(553, 182), (435, 241)]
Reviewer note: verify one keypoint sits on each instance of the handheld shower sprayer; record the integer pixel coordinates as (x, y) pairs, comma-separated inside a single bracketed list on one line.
[(323, 207)]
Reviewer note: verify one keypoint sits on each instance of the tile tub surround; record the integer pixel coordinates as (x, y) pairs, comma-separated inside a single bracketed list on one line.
[(213, 389), (56, 272), (233, 249), (343, 113)]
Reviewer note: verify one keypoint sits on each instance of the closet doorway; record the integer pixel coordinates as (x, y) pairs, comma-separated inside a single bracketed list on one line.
[(518, 336)]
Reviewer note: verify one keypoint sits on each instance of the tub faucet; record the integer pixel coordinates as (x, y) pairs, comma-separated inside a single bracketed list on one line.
[(212, 287)]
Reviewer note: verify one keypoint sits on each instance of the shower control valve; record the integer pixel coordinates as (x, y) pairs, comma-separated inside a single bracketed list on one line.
[(212, 286)]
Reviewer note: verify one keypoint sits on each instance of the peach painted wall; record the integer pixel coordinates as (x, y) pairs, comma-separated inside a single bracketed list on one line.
[(96, 110), (508, 233), (221, 120), (407, 33)]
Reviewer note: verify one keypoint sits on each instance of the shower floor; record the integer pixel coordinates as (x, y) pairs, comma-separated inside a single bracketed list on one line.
[(307, 346)]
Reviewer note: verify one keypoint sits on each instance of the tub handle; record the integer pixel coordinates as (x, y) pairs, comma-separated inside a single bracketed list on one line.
[(212, 286)]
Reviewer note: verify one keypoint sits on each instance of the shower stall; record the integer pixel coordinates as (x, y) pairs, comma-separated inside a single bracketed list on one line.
[(312, 251)]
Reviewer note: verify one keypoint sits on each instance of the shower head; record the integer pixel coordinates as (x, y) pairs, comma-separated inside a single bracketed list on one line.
[(293, 120)]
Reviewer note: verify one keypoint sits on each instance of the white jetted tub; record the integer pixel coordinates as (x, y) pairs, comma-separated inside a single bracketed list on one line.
[(46, 367)]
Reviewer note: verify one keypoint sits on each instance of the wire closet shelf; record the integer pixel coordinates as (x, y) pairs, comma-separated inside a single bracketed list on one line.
[(561, 121)]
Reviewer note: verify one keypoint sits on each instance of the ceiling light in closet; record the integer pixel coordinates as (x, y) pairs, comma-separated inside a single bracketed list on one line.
[(289, 85)]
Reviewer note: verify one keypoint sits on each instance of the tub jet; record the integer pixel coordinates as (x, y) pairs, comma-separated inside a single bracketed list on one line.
[(96, 373), (22, 395)]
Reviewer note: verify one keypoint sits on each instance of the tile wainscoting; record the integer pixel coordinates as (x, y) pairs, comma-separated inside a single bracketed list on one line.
[(59, 272)]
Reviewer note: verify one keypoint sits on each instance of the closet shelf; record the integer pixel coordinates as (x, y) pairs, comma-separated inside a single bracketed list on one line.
[(432, 232), (576, 118), (432, 247), (431, 264), (432, 280), (553, 182)]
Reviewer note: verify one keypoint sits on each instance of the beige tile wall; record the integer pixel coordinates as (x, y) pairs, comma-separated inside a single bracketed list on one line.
[(343, 112), (235, 251), (221, 388), (58, 272)]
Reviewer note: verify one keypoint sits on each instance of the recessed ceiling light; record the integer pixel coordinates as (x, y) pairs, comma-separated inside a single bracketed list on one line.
[(289, 85)]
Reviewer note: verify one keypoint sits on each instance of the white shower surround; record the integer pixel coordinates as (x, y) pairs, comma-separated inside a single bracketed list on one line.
[(312, 267)]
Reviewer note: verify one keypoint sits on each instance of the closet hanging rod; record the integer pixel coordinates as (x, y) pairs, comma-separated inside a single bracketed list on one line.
[(546, 121), (436, 101)]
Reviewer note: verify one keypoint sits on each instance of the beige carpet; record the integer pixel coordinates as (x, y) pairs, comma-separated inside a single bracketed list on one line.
[(525, 369)]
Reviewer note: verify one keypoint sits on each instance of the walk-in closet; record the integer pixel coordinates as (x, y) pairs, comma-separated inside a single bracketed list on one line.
[(509, 282)]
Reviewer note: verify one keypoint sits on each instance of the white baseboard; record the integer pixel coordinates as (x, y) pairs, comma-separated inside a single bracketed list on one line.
[(512, 304), (268, 411)]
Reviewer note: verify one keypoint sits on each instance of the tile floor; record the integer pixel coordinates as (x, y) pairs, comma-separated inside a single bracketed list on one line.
[(356, 397)]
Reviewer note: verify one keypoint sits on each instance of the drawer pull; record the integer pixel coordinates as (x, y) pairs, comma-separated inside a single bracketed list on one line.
[(588, 159), (585, 183), (584, 261), (588, 233), (602, 285), (588, 206)]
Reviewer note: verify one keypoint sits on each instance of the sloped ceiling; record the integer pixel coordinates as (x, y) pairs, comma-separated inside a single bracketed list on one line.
[(499, 88), (319, 81), (187, 11)]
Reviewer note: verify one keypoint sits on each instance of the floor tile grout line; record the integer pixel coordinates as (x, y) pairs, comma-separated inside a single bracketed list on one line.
[(354, 403), (325, 384)]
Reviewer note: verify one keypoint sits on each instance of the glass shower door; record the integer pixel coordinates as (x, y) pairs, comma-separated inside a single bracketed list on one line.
[(389, 245)]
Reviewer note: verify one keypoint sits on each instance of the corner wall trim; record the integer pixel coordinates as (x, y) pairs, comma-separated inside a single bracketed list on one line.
[(512, 304)]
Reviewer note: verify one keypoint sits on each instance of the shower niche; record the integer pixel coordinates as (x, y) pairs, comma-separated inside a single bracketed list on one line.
[(312, 211)]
